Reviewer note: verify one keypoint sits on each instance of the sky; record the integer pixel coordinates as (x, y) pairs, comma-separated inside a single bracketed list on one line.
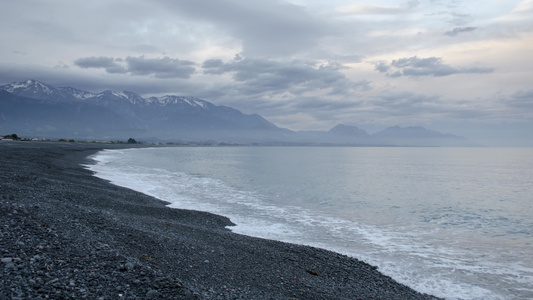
[(460, 67)]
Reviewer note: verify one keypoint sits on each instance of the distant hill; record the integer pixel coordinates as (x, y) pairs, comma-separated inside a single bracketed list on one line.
[(418, 136), (35, 109)]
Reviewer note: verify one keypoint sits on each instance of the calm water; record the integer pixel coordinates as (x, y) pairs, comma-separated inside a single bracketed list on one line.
[(453, 222)]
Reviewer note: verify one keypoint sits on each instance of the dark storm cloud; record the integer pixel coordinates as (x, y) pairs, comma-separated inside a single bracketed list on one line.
[(458, 30), (294, 72), (258, 75), (165, 67), (265, 27), (431, 66), (108, 63)]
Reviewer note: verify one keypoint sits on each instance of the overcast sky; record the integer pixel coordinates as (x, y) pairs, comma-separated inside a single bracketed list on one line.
[(463, 67)]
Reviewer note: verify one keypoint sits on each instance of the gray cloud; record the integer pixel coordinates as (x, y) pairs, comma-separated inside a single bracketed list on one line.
[(431, 66), (281, 88), (165, 67), (395, 107), (214, 66), (265, 27), (366, 9), (522, 100), (95, 62), (307, 92), (382, 67), (108, 63), (258, 75), (323, 106), (458, 30), (143, 48), (403, 103)]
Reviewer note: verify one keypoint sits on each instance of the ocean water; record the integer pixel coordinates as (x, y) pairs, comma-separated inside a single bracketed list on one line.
[(453, 222)]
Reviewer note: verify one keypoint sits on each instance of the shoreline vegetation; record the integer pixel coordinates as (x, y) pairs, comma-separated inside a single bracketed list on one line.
[(68, 234)]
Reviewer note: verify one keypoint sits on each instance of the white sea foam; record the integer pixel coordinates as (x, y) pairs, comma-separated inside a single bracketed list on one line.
[(402, 253)]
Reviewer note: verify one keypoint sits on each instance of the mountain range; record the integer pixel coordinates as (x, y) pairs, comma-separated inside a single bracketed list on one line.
[(35, 109)]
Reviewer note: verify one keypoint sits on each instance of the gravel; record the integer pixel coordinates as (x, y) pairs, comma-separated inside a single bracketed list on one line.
[(67, 234)]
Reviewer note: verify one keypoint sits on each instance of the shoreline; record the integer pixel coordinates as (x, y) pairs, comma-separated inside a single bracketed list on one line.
[(66, 233)]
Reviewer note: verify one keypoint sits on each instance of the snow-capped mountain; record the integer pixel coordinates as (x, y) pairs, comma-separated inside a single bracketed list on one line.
[(29, 88), (34, 89), (67, 111), (35, 109), (38, 90), (75, 93), (169, 99)]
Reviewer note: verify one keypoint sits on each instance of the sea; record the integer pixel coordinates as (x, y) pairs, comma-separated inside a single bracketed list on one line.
[(456, 223)]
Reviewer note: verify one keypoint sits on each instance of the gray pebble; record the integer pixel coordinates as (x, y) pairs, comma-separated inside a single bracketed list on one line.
[(10, 266), (152, 293), (7, 260), (129, 266)]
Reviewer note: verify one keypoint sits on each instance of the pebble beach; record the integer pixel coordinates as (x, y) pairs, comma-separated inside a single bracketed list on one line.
[(67, 234)]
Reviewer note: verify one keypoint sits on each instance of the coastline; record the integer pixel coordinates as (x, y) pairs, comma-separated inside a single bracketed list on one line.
[(66, 233)]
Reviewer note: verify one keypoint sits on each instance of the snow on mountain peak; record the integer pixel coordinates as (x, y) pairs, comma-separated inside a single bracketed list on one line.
[(130, 97), (195, 102), (28, 86), (171, 99), (78, 94), (34, 89), (119, 94)]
